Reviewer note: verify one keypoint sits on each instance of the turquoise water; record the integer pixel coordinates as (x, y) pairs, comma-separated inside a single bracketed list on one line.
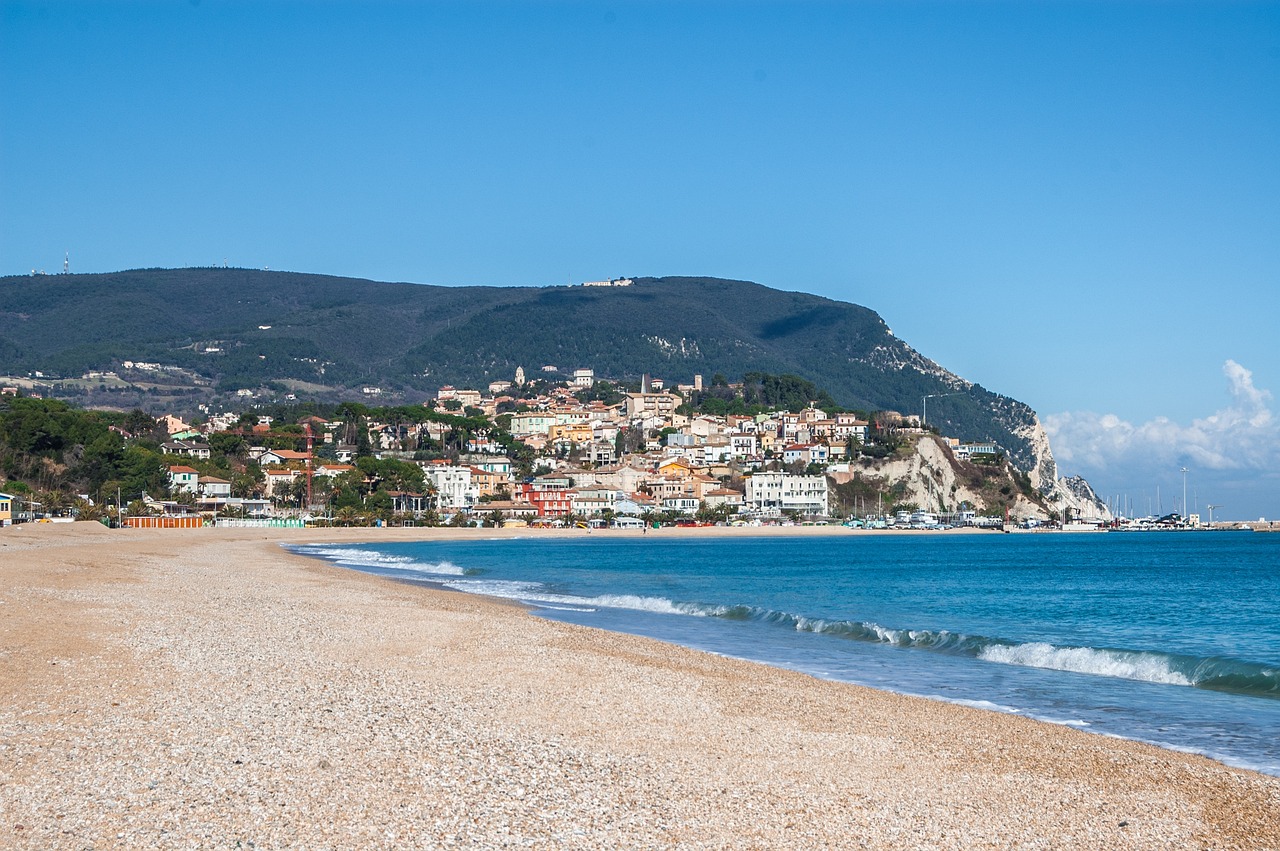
[(1170, 638)]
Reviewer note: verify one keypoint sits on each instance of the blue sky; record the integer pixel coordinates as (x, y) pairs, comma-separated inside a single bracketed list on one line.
[(1075, 204)]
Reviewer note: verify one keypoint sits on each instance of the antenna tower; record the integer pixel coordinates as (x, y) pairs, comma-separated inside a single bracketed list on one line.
[(66, 264)]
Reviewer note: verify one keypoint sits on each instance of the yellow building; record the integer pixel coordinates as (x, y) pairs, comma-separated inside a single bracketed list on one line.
[(6, 509), (488, 483), (570, 432)]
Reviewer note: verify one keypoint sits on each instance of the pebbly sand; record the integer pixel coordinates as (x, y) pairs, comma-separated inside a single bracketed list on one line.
[(205, 689)]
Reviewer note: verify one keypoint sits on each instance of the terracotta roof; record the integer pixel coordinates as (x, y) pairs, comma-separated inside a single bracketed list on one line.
[(289, 454)]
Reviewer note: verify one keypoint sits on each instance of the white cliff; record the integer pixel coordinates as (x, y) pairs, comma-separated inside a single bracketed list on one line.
[(1072, 497), (931, 478)]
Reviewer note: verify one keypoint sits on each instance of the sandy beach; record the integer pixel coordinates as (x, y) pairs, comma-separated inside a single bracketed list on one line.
[(207, 689)]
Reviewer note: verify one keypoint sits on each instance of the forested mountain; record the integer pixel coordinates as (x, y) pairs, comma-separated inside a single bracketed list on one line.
[(322, 336)]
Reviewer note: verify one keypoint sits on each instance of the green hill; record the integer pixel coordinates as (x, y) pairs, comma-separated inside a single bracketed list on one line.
[(332, 335)]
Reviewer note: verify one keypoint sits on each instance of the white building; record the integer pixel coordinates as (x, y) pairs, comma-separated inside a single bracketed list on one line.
[(593, 500), (966, 451), (454, 488), (744, 445), (212, 487), (584, 377), (806, 453), (770, 494), (499, 465), (183, 479), (681, 504)]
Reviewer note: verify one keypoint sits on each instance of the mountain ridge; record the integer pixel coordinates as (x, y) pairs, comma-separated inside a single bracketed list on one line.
[(336, 332)]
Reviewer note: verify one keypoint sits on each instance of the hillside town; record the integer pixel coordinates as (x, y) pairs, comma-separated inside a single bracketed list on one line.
[(538, 452)]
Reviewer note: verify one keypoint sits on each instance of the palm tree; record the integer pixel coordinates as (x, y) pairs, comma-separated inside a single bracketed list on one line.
[(54, 502), (86, 510)]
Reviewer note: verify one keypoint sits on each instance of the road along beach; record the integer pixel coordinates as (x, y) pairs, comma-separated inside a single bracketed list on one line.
[(203, 688)]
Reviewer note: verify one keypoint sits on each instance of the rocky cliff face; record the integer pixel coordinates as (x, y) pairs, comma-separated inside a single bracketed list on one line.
[(931, 478), (1070, 496), (1073, 492)]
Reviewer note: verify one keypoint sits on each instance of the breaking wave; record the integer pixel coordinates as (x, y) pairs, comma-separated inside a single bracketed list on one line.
[(529, 592), (1215, 673), (371, 561)]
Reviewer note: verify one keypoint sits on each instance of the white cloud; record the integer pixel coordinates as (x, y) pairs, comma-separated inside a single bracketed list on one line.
[(1243, 436)]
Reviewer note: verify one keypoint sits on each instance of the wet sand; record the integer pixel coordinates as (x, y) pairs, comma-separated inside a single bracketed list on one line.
[(205, 688)]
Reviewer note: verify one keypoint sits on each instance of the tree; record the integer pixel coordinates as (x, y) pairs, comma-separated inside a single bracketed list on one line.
[(85, 510), (227, 443), (364, 447), (141, 424), (380, 504), (53, 502), (249, 482)]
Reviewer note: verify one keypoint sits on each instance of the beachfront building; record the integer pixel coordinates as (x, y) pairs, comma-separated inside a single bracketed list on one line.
[(487, 483), (408, 502), (7, 502), (277, 480), (212, 487), (589, 501), (510, 510), (633, 504), (723, 497), (183, 479), (680, 504), (549, 502), (771, 494), (453, 485)]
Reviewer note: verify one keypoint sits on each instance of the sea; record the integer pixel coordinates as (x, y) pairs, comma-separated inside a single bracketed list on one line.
[(1171, 638)]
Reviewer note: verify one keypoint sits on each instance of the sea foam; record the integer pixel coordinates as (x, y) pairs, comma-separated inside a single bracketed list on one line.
[(371, 559), (1129, 665)]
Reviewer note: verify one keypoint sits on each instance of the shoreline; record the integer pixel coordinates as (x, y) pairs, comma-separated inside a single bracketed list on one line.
[(982, 703), (172, 688)]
